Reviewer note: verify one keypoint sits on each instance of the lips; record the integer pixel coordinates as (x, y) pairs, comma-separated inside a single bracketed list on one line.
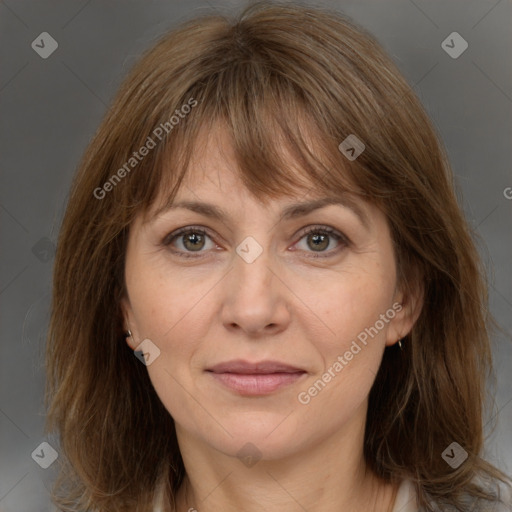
[(253, 379), (261, 367)]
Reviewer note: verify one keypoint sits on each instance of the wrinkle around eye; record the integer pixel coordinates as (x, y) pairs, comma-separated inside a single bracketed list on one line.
[(177, 236), (332, 234)]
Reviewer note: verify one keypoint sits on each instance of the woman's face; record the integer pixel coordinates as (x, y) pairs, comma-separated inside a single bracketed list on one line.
[(300, 320)]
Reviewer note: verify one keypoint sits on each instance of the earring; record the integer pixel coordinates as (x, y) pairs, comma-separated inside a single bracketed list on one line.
[(128, 334), (400, 343)]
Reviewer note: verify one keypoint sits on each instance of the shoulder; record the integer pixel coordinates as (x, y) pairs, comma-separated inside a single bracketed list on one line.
[(503, 493), (406, 499), (158, 500)]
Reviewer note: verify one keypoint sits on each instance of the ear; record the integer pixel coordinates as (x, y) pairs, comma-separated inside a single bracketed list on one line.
[(129, 323), (407, 305)]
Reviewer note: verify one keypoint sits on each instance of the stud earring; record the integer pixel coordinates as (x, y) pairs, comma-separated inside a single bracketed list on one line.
[(128, 334), (400, 343)]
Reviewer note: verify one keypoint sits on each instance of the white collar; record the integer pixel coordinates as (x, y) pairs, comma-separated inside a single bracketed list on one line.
[(405, 500)]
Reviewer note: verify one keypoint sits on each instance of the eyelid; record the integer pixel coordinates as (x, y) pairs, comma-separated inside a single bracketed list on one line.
[(312, 228), (184, 230), (341, 238)]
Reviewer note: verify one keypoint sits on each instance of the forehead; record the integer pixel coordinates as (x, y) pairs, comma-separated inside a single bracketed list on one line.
[(220, 166), (214, 170), (212, 186)]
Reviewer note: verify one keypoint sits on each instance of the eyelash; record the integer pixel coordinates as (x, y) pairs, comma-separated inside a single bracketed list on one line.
[(322, 230)]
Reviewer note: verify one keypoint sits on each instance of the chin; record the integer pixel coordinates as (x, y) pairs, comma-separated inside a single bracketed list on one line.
[(257, 434)]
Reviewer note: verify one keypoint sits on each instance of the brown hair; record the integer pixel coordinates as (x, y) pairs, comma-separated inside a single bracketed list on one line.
[(271, 76)]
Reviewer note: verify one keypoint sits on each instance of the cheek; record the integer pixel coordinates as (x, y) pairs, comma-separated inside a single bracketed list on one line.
[(173, 312), (353, 308), (350, 302), (164, 304), (350, 350)]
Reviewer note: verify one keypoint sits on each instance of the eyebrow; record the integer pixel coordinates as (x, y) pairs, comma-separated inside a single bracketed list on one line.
[(291, 211)]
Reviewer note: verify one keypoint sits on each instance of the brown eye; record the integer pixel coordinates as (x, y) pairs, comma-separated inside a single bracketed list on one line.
[(319, 239), (193, 241), (189, 240)]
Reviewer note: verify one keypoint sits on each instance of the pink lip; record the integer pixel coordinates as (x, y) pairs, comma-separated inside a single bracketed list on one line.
[(255, 378), (256, 384), (241, 366)]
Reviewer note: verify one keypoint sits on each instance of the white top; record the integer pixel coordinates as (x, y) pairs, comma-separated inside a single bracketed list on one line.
[(405, 499)]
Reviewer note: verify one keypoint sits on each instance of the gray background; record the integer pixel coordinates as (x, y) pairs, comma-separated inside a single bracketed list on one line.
[(51, 107)]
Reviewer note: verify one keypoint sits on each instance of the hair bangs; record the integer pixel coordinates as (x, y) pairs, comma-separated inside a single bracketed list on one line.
[(280, 148)]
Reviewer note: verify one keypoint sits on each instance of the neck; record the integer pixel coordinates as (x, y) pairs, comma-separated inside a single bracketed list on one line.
[(327, 476)]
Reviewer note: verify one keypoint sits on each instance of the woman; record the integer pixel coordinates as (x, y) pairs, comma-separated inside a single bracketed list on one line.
[(266, 296)]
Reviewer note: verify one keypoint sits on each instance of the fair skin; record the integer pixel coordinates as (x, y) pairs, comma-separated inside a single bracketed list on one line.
[(284, 306)]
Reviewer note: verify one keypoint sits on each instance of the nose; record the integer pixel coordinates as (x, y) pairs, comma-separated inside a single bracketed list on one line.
[(255, 297)]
